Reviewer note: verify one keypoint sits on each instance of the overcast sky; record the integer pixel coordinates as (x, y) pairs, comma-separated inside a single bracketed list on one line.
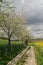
[(33, 10)]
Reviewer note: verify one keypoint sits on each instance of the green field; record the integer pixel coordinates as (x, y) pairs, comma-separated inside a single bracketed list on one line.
[(16, 48), (38, 47), (5, 56)]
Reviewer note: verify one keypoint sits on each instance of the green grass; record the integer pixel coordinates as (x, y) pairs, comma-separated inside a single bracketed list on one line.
[(16, 48), (38, 53), (22, 60)]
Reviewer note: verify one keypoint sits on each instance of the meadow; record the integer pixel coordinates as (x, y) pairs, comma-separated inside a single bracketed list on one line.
[(5, 56), (38, 48)]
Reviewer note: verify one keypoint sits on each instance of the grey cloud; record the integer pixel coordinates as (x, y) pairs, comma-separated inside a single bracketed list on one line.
[(36, 30), (33, 7), (34, 20), (34, 13)]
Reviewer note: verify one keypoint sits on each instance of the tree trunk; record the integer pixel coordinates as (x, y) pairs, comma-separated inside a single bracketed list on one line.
[(9, 42), (9, 45)]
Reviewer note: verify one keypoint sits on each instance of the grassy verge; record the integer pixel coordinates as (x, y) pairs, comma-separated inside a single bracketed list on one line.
[(38, 47), (5, 56), (22, 60)]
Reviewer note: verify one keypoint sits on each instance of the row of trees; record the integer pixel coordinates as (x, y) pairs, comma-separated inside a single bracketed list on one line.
[(13, 25)]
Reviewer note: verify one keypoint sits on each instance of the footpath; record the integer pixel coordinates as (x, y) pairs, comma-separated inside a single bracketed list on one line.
[(29, 61), (31, 57)]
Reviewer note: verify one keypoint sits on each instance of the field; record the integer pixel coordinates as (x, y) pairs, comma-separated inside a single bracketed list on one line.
[(38, 47), (16, 48), (5, 56)]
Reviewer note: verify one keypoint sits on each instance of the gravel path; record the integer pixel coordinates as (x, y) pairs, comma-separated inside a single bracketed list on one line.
[(31, 57)]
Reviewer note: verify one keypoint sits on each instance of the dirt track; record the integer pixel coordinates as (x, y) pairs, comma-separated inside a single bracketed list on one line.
[(31, 57)]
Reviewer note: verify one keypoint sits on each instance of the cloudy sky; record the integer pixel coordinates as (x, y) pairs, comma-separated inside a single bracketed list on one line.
[(33, 10)]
